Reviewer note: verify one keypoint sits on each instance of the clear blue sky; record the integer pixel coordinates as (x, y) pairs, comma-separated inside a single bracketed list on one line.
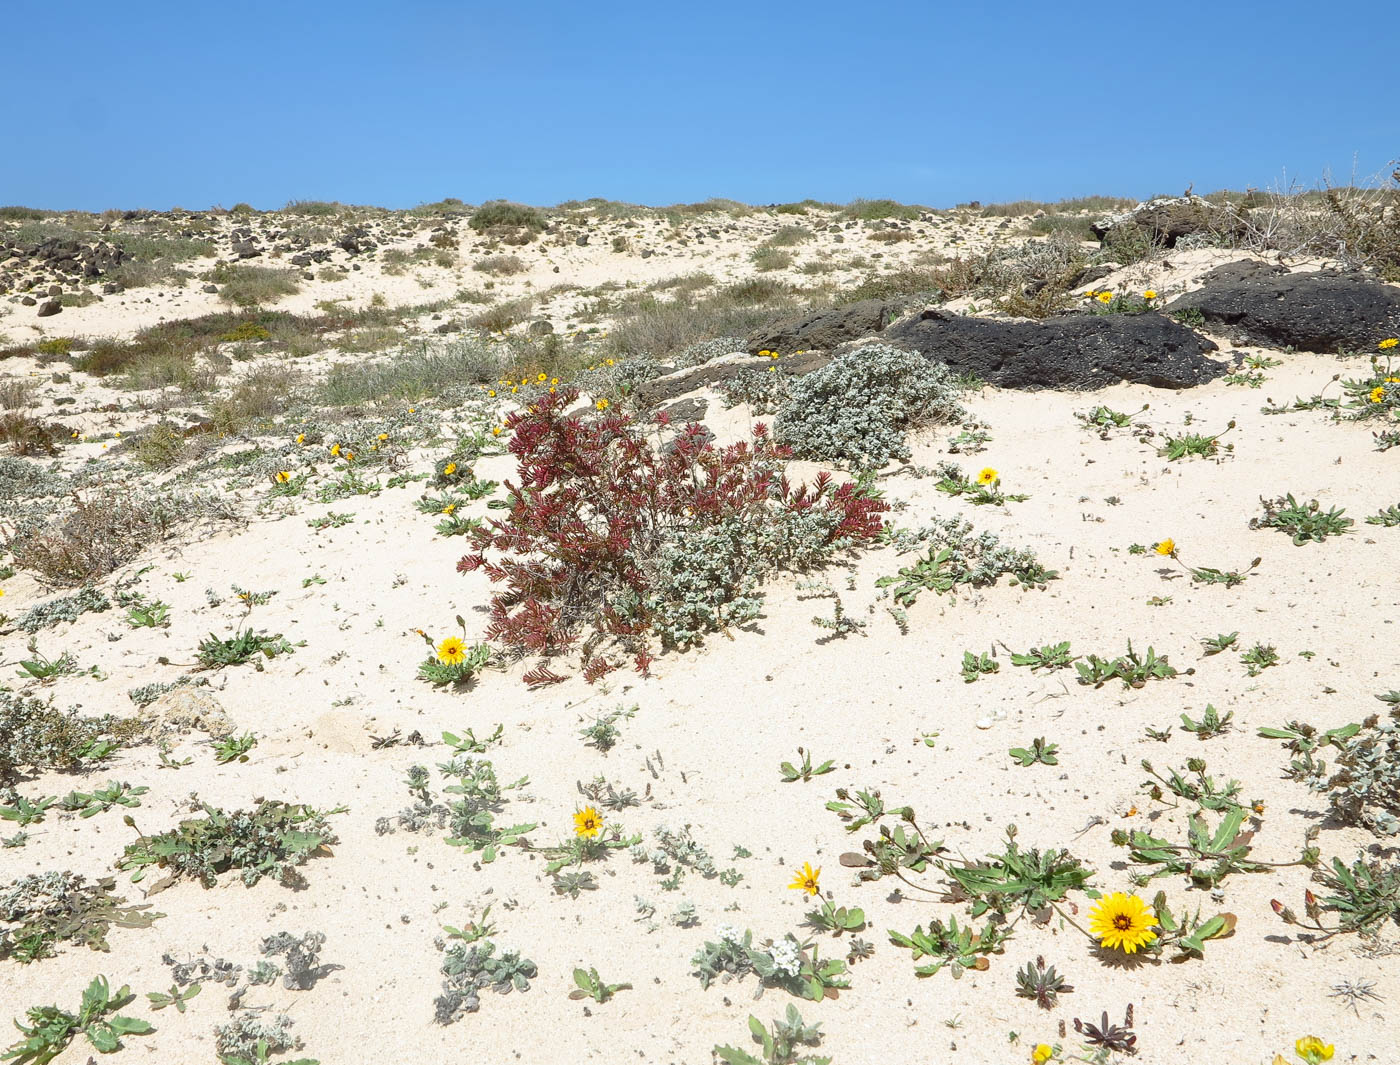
[(154, 103)]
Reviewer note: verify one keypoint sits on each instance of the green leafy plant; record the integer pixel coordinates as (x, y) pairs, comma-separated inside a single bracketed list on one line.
[(51, 1029), (1259, 658), (1304, 522), (149, 615), (176, 996), (1211, 723), (1177, 447), (804, 770), (588, 984), (273, 839), (467, 743), (1132, 669), (243, 645), (233, 748), (603, 734), (42, 910), (25, 812), (100, 800), (1052, 656), (961, 948), (982, 490), (43, 668), (1185, 932), (471, 968), (1213, 645), (1388, 517), (975, 666), (781, 1044), (836, 919), (1018, 881), (1104, 420), (452, 661), (1039, 751)]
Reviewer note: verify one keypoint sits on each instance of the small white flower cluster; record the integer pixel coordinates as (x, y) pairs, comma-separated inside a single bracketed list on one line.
[(728, 933), (787, 957)]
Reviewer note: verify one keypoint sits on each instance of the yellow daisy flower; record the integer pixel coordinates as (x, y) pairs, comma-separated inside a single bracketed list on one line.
[(602, 404), (1313, 1050), (449, 508), (1105, 298), (1122, 922), (283, 477), (1377, 393), (452, 651), (449, 469), (988, 476), (491, 392), (301, 438), (1165, 547), (1150, 294), (1388, 343), (1042, 1053), (588, 822), (542, 377), (383, 436), (335, 450), (806, 880)]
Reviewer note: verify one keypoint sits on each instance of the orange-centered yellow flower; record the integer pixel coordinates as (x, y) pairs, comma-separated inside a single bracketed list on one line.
[(988, 476), (1105, 298), (588, 822), (1150, 294), (1122, 922), (1377, 393), (806, 880), (449, 469), (1165, 547), (452, 651)]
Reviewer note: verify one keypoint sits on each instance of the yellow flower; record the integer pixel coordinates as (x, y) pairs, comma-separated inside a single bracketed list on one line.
[(1090, 294), (283, 477), (449, 508), (1150, 294), (988, 476), (335, 449), (588, 822), (491, 392), (542, 377), (412, 410), (609, 361), (1165, 547), (553, 381), (602, 404), (1122, 922), (1388, 343), (301, 438), (1312, 1049), (349, 456), (1042, 1053), (1377, 393), (2, 593), (449, 469), (383, 436), (496, 431), (764, 353), (806, 880), (451, 651), (1105, 298)]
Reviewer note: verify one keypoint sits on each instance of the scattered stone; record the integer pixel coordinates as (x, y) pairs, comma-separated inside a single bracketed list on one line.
[(49, 308), (821, 330), (1169, 219)]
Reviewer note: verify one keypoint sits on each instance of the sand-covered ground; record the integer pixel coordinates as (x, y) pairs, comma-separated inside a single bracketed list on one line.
[(888, 703)]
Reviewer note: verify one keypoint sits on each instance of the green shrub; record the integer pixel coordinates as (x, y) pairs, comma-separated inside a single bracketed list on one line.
[(35, 735), (870, 210), (857, 407), (507, 215), (59, 346), (253, 286)]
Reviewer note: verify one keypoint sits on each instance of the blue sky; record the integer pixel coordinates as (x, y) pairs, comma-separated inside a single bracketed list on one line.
[(154, 103)]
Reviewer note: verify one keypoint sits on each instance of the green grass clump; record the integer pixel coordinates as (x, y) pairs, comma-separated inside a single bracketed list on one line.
[(870, 210), (253, 286)]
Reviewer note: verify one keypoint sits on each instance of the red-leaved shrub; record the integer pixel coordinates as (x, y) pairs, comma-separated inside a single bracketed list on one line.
[(597, 501)]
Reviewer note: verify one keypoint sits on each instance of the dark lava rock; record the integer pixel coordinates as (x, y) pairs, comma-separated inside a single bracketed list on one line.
[(1326, 311), (821, 330), (709, 374), (49, 308), (1077, 352), (1167, 220), (686, 410)]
